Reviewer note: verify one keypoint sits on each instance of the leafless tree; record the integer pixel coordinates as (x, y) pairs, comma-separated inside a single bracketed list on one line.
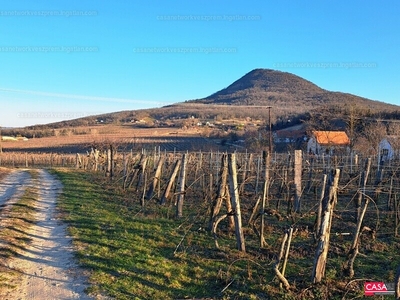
[(353, 115), (394, 128), (373, 133)]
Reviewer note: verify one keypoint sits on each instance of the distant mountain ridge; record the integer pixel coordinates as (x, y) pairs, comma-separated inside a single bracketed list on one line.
[(260, 85), (266, 87), (289, 96)]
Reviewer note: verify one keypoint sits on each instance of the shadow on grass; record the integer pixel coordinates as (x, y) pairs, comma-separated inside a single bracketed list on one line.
[(7, 252), (129, 255)]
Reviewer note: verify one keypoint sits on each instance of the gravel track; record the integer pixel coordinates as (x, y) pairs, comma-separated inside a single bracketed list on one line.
[(46, 265)]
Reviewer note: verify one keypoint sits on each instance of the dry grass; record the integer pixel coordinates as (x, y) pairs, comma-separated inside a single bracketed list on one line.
[(4, 172), (98, 135), (12, 234)]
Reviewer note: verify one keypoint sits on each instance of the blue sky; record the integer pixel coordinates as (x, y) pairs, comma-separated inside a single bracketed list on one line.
[(66, 59)]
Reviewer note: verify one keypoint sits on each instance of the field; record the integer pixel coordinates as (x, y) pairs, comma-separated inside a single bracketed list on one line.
[(156, 254), (126, 137), (142, 232)]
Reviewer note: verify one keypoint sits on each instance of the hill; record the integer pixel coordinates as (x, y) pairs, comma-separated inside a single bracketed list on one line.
[(236, 114), (263, 86), (291, 97), (287, 93)]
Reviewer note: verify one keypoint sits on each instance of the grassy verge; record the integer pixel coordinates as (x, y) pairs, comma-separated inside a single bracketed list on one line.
[(3, 172), (16, 221), (135, 252)]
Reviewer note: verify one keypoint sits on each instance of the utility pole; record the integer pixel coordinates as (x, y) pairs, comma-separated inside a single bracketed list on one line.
[(270, 129), (1, 138)]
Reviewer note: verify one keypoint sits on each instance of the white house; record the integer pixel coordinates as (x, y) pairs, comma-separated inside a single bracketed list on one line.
[(13, 139), (389, 147)]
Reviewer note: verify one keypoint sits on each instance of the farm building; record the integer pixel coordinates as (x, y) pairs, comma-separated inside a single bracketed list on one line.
[(328, 142), (12, 139), (389, 147), (289, 136), (8, 138)]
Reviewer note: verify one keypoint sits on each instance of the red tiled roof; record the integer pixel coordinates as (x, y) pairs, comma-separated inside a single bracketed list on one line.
[(331, 137)]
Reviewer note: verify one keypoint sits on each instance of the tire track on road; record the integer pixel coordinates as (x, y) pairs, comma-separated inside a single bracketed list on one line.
[(46, 265), (13, 186)]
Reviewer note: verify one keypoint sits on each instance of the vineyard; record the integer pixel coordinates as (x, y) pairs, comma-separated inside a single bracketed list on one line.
[(310, 219)]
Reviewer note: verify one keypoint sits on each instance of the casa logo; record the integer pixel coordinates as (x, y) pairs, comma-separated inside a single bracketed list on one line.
[(377, 288)]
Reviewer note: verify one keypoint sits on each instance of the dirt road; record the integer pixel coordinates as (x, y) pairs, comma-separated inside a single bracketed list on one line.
[(45, 266)]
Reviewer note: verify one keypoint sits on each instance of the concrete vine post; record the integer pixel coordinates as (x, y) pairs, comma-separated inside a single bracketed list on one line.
[(297, 179), (109, 171), (181, 188)]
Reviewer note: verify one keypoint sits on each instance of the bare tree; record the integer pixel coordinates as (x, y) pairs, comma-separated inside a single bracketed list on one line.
[(394, 128), (373, 133), (318, 121), (353, 116)]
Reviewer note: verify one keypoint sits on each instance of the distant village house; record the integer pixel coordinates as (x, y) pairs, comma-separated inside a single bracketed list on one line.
[(328, 142), (13, 139), (289, 136), (389, 147)]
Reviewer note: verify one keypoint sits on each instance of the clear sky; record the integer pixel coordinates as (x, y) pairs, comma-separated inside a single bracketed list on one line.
[(63, 59)]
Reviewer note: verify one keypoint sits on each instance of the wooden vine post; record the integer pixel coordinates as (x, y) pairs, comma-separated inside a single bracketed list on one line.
[(325, 228), (78, 161), (319, 211), (234, 192), (284, 253), (171, 181), (221, 193), (396, 216), (181, 188), (125, 170), (397, 284), (156, 178), (137, 169), (264, 199), (142, 172), (356, 242), (361, 195), (95, 155), (297, 179), (349, 270)]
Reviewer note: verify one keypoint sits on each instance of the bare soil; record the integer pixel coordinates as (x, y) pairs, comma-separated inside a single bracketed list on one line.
[(121, 135), (45, 267)]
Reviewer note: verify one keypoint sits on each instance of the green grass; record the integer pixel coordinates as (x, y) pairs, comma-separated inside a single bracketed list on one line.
[(17, 218), (20, 216), (134, 252)]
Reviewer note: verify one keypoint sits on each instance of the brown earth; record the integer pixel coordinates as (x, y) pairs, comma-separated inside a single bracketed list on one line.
[(126, 138)]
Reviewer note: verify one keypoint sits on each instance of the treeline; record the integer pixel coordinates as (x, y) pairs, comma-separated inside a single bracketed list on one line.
[(46, 132)]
